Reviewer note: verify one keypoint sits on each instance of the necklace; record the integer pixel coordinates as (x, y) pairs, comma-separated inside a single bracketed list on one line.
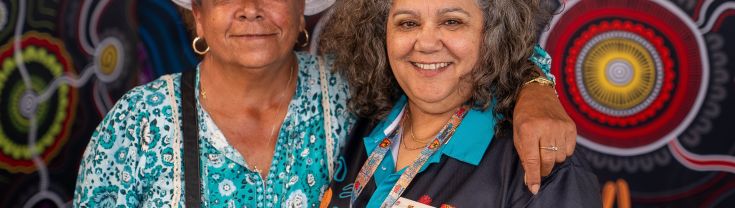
[(413, 136), (203, 94), (405, 146)]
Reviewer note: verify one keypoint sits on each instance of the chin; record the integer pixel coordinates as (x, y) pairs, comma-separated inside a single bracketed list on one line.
[(432, 92), (255, 59), (430, 98), (437, 101)]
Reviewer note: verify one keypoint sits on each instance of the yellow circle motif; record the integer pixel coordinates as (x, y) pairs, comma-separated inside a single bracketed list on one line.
[(108, 59), (619, 73)]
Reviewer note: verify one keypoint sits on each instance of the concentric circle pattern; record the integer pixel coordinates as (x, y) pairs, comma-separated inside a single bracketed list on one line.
[(621, 73), (109, 58), (45, 59), (632, 72)]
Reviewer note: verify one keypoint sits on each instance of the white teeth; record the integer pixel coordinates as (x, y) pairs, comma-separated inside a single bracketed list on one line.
[(431, 66)]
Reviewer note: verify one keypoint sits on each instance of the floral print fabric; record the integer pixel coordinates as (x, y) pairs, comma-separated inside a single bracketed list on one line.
[(129, 161)]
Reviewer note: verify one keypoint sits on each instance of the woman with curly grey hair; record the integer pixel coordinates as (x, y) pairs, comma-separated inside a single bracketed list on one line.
[(441, 78)]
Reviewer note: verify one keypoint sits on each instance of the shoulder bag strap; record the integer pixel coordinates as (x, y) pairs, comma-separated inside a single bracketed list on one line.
[(327, 117), (190, 128)]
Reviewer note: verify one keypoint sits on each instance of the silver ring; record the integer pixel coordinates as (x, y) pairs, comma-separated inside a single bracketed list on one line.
[(552, 148)]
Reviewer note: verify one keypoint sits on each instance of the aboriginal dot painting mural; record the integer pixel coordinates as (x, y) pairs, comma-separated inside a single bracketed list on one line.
[(650, 87), (650, 84)]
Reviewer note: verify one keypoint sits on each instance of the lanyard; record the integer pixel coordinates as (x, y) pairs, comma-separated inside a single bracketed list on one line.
[(368, 169)]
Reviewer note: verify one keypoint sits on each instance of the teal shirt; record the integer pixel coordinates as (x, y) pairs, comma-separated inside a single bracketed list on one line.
[(132, 159), (468, 144)]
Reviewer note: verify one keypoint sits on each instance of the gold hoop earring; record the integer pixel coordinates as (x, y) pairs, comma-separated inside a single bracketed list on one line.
[(196, 50), (306, 43)]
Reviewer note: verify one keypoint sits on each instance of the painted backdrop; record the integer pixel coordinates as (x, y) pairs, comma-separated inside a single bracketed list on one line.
[(649, 82)]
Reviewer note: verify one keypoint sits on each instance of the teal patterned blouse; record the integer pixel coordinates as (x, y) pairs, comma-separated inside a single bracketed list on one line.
[(131, 161), (134, 156)]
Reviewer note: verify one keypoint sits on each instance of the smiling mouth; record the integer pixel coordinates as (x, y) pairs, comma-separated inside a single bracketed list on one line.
[(253, 36), (432, 66)]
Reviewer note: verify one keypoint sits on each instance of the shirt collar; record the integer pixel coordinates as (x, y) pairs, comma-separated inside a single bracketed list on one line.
[(468, 144)]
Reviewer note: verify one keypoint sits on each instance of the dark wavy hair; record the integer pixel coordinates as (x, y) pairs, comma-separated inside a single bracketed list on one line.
[(356, 36)]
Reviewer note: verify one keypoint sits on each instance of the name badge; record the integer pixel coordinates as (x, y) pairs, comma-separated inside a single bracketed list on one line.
[(407, 203)]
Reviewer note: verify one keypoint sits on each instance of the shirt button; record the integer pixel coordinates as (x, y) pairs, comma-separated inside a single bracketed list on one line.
[(383, 168)]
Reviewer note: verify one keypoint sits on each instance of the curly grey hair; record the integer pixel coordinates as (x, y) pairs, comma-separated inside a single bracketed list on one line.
[(356, 36)]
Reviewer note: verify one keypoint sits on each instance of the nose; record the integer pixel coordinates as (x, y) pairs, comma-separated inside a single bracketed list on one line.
[(428, 40), (250, 10)]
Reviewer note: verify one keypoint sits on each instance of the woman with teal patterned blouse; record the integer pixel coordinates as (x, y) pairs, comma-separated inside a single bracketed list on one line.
[(260, 111)]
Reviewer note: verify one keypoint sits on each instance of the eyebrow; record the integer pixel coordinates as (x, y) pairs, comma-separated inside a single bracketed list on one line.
[(442, 11), (405, 11), (454, 9)]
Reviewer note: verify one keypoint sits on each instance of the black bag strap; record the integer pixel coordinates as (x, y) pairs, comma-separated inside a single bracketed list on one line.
[(190, 128)]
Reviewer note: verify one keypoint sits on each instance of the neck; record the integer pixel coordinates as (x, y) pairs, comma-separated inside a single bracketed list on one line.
[(246, 86), (425, 125)]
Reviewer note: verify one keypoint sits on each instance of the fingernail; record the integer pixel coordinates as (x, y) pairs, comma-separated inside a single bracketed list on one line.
[(525, 178), (534, 189)]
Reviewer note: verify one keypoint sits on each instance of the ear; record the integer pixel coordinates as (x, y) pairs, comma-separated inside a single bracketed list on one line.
[(197, 12)]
